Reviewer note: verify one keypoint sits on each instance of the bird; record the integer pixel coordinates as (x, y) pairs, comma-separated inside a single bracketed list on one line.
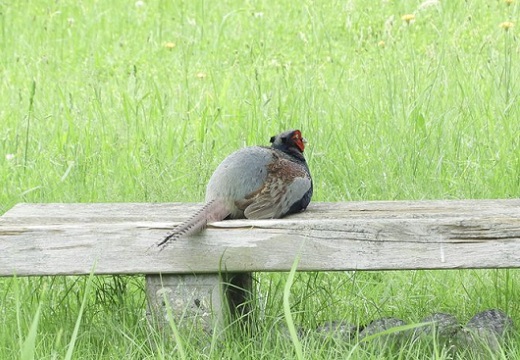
[(256, 182)]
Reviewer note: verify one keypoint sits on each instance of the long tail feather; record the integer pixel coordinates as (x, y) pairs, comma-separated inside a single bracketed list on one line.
[(214, 210)]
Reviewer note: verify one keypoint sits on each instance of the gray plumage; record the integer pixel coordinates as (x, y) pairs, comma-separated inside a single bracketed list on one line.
[(256, 183)]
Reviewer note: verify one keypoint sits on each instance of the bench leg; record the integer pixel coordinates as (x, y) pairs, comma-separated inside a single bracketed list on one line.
[(202, 302)]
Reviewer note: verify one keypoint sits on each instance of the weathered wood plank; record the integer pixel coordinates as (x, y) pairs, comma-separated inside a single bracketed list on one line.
[(60, 213), (68, 239)]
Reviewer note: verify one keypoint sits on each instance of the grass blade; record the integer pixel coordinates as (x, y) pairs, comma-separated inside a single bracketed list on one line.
[(28, 347), (287, 310), (74, 337), (175, 330)]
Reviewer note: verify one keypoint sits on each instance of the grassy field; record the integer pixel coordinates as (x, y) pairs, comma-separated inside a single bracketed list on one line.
[(104, 101)]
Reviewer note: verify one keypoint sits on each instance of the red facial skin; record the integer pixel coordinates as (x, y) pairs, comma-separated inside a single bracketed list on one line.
[(298, 140)]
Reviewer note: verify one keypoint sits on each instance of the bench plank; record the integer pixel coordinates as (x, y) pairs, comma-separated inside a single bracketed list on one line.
[(74, 239)]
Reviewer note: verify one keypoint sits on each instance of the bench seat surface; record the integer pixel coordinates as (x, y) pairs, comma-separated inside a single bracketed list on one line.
[(118, 238)]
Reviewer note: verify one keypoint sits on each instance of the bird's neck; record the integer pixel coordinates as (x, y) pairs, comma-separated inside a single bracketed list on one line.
[(293, 153)]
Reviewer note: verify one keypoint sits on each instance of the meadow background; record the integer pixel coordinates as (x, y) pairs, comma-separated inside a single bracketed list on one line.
[(138, 101)]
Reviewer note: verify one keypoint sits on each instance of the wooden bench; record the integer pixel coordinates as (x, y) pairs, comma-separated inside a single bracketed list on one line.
[(80, 239)]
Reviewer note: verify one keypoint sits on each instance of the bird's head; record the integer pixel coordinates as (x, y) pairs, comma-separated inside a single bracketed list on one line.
[(289, 141)]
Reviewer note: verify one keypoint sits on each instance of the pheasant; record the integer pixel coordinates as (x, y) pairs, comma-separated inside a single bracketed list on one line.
[(256, 182)]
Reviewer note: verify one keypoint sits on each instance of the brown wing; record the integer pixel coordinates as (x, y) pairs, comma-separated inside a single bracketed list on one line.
[(286, 183)]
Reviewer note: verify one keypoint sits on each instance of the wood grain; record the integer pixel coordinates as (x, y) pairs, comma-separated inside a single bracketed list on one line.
[(72, 239)]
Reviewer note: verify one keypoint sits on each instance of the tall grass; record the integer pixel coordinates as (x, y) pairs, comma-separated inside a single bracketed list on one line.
[(139, 101)]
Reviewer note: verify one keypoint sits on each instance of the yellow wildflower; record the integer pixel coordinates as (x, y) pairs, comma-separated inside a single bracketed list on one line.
[(169, 45), (409, 18), (506, 25)]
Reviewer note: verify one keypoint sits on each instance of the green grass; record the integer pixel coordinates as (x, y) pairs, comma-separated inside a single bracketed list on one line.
[(96, 105)]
